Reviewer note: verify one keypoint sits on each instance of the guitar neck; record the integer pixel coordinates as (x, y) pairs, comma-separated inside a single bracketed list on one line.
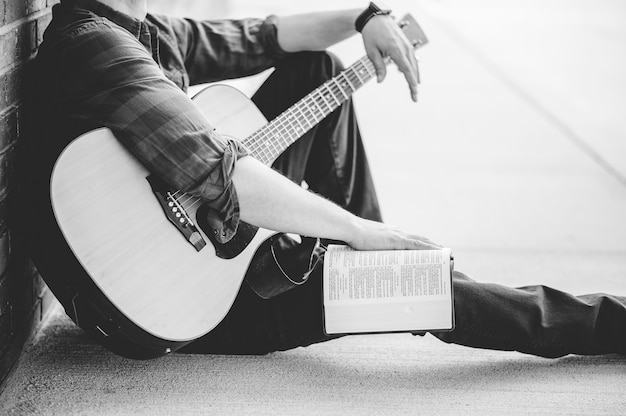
[(267, 143)]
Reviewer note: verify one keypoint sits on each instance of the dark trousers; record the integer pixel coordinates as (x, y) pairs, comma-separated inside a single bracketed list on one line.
[(331, 159)]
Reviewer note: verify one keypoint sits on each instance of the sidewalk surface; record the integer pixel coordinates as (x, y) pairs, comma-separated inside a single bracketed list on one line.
[(515, 156)]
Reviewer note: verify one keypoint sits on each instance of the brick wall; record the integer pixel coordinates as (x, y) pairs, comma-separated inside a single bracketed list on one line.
[(24, 298)]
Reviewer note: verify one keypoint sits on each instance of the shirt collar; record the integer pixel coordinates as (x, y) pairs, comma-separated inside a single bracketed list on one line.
[(129, 23)]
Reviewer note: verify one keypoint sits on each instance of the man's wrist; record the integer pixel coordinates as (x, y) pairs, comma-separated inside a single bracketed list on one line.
[(372, 11)]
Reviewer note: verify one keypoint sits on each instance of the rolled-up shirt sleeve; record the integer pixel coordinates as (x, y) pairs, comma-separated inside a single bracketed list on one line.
[(108, 78), (220, 49)]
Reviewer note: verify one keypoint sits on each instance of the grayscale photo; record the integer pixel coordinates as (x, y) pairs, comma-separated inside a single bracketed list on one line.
[(241, 207)]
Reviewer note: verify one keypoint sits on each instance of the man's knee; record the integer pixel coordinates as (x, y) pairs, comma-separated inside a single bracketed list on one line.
[(330, 62), (318, 65)]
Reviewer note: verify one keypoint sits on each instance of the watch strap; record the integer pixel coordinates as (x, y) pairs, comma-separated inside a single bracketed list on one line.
[(367, 14)]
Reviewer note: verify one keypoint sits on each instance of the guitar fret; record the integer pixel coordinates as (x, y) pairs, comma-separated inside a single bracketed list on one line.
[(264, 156), (356, 73), (254, 141), (291, 126), (364, 70), (318, 108), (308, 114), (286, 125), (327, 86), (357, 81), (250, 142), (338, 92), (360, 71), (305, 120), (298, 119), (325, 102), (340, 89), (317, 104), (278, 132), (370, 68), (309, 107), (348, 81), (263, 150), (355, 76)]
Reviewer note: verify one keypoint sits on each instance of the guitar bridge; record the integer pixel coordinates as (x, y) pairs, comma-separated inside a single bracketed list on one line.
[(175, 212)]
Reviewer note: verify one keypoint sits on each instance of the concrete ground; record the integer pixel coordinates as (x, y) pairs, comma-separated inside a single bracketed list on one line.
[(515, 156)]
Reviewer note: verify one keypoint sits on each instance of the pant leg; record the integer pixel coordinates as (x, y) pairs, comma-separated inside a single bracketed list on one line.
[(536, 320), (330, 157), (258, 326)]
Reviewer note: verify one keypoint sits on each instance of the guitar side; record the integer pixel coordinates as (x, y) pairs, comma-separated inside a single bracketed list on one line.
[(117, 230)]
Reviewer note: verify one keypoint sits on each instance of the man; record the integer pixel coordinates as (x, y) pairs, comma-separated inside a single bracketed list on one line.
[(111, 64)]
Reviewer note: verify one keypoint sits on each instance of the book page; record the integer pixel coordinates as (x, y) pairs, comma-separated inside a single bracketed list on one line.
[(395, 290), (396, 274)]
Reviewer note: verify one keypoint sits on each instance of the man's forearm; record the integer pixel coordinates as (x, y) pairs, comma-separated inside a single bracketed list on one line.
[(269, 200), (316, 31)]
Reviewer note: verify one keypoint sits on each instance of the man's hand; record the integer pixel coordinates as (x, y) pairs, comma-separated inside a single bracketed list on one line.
[(372, 235), (383, 38)]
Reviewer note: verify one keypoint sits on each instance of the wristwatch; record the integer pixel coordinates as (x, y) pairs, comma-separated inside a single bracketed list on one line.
[(371, 11)]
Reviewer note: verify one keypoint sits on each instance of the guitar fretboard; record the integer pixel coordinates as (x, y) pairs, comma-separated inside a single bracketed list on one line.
[(267, 143)]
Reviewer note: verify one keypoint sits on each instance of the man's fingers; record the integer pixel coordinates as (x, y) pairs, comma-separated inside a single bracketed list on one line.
[(379, 64), (408, 66), (383, 38), (417, 68), (423, 243)]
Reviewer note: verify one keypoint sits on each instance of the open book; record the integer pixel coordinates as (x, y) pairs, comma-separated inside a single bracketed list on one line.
[(387, 291)]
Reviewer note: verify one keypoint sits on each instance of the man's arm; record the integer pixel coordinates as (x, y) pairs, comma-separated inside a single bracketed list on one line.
[(268, 199), (129, 94), (315, 31), (214, 50), (381, 38), (271, 201)]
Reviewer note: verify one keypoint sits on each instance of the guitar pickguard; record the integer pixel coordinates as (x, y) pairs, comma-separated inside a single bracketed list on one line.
[(207, 220), (244, 235)]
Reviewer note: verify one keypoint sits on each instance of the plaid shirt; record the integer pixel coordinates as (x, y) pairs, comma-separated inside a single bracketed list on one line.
[(106, 69)]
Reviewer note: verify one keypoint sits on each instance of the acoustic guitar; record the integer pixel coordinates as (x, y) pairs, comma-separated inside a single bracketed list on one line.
[(145, 246)]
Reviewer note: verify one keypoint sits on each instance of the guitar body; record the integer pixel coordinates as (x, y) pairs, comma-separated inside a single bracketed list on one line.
[(140, 262)]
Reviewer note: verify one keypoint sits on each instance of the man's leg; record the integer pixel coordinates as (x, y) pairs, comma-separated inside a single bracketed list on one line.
[(330, 158), (536, 320)]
